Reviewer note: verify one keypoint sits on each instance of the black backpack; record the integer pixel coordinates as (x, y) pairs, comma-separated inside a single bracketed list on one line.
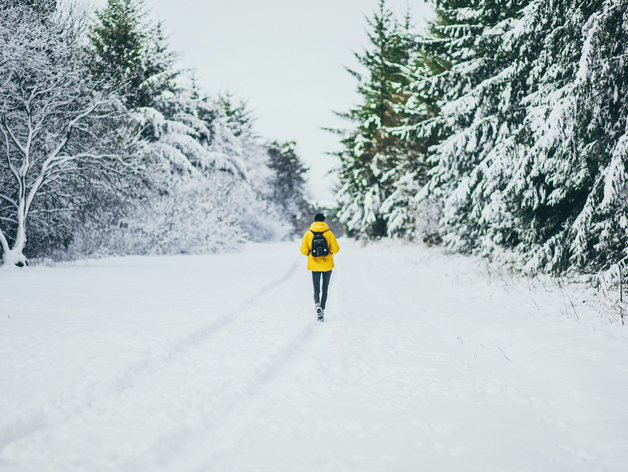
[(320, 248)]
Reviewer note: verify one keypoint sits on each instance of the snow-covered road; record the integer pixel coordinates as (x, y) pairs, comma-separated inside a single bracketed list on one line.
[(216, 363)]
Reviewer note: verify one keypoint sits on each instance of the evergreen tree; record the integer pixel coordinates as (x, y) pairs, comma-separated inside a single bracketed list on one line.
[(183, 133), (480, 115), (288, 181), (568, 192), (406, 213), (130, 54), (535, 157), (601, 240), (237, 113), (372, 150)]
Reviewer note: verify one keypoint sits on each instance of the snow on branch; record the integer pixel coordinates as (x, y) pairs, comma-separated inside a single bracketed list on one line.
[(51, 113)]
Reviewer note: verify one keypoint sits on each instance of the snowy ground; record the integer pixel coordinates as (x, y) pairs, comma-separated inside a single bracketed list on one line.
[(216, 363)]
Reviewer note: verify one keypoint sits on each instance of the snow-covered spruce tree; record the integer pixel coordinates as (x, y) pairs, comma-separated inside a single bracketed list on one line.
[(239, 117), (406, 214), (53, 120), (479, 91), (371, 150), (535, 159), (288, 182), (262, 175), (130, 53), (274, 171), (570, 186)]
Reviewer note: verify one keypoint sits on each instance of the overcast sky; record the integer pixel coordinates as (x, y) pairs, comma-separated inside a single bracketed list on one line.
[(285, 57)]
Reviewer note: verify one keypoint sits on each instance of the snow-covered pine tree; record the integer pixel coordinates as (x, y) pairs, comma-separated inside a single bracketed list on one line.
[(407, 215), (569, 189), (371, 150), (604, 75), (130, 54), (239, 117), (536, 154), (183, 132), (265, 168), (274, 169), (479, 94), (288, 182), (239, 122)]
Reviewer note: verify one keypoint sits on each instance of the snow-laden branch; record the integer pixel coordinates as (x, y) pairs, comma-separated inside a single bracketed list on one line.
[(10, 200), (53, 119)]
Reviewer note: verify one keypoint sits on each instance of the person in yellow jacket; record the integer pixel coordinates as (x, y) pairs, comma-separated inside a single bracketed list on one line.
[(321, 265)]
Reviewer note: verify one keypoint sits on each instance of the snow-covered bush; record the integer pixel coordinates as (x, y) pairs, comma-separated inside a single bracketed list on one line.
[(212, 214)]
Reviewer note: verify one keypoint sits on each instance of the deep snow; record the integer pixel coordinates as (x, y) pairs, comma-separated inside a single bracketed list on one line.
[(217, 363)]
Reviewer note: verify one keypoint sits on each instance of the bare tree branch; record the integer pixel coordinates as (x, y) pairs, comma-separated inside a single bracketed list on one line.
[(10, 200)]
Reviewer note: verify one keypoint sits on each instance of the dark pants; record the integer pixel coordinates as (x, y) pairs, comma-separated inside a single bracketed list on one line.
[(316, 278)]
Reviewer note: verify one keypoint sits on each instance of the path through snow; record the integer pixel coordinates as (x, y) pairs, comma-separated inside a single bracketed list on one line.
[(216, 363)]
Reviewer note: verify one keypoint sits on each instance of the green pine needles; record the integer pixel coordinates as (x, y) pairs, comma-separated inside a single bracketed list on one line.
[(503, 126)]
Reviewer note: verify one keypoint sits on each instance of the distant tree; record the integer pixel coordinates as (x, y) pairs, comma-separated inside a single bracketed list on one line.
[(288, 181), (237, 113)]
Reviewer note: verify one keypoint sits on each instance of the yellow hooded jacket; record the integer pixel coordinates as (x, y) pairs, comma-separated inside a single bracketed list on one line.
[(319, 264)]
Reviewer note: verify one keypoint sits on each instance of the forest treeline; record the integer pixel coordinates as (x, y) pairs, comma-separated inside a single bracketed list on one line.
[(109, 149), (499, 130)]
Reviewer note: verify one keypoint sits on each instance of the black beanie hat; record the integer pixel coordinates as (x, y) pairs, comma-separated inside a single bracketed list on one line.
[(319, 217)]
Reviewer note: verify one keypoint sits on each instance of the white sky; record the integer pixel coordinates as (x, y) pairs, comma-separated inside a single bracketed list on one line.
[(285, 57)]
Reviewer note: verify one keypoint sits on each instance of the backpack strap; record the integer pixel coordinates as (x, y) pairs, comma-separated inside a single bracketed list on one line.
[(318, 232)]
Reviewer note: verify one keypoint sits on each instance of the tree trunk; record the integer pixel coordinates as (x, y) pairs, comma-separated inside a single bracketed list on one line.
[(15, 256)]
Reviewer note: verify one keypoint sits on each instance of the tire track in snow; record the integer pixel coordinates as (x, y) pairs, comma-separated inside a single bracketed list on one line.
[(225, 436), (226, 422), (216, 426), (39, 421), (150, 363)]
